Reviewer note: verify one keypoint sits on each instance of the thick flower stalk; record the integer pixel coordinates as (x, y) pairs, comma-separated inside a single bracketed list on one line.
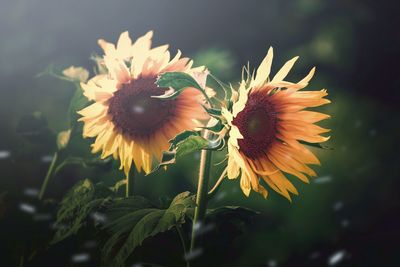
[(268, 124)]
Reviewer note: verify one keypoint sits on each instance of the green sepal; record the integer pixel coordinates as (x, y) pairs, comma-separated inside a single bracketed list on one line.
[(214, 112), (216, 128), (317, 145)]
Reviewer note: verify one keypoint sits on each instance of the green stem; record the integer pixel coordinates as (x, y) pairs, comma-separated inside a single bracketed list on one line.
[(48, 175), (130, 179), (183, 241), (202, 189)]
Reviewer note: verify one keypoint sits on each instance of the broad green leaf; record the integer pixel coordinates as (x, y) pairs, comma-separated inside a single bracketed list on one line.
[(81, 201), (130, 230)]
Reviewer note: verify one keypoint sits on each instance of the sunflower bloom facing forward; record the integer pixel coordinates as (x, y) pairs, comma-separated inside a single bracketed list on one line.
[(267, 123), (125, 119)]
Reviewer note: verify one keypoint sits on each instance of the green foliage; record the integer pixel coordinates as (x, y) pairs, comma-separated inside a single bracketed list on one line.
[(186, 143), (178, 81), (134, 219), (183, 144), (81, 201)]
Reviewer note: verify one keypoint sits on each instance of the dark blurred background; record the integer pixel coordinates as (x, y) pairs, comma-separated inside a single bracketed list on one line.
[(347, 216)]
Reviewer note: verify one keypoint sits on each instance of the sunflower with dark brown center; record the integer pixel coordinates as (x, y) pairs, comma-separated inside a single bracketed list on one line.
[(127, 121), (266, 125)]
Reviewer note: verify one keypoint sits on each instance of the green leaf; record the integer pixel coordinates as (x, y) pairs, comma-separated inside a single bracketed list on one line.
[(182, 145), (177, 80), (181, 137), (190, 145), (129, 231), (317, 145), (81, 201)]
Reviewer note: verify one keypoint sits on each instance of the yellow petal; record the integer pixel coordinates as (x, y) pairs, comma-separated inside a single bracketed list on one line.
[(264, 69), (124, 45), (283, 72)]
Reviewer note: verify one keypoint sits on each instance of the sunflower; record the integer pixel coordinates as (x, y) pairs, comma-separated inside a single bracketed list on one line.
[(125, 118), (268, 124)]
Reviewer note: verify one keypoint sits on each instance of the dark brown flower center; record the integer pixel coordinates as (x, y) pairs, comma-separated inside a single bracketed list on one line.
[(257, 123), (135, 113)]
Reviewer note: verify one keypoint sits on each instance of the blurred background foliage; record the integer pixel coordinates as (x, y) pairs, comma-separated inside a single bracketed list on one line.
[(347, 216)]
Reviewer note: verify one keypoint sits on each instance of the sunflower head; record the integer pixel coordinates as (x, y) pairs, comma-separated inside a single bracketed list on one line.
[(126, 119), (268, 124)]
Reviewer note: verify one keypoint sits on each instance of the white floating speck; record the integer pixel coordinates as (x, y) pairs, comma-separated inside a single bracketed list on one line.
[(99, 217), (32, 192), (345, 223), (80, 258), (272, 263), (323, 179), (138, 109), (27, 208), (201, 229), (336, 257), (47, 158), (338, 206), (4, 154), (193, 254)]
